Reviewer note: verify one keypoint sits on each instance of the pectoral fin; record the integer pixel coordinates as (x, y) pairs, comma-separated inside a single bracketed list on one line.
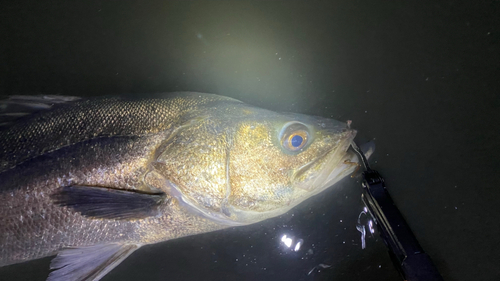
[(88, 263), (108, 203)]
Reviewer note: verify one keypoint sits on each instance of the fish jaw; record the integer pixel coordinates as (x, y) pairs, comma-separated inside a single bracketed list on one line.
[(332, 167)]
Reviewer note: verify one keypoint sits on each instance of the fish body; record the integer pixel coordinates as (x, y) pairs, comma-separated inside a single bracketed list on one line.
[(92, 180)]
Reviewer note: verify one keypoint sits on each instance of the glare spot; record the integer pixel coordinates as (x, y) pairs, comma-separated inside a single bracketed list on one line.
[(370, 225), (297, 246), (286, 240)]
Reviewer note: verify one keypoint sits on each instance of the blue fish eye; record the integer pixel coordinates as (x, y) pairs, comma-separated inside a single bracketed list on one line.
[(294, 137), (297, 141)]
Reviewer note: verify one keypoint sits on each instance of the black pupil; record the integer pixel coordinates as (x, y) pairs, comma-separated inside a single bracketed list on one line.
[(297, 141)]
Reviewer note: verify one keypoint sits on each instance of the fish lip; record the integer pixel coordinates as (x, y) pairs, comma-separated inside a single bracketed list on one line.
[(325, 173)]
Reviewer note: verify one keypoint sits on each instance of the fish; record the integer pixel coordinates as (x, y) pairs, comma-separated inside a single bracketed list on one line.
[(91, 180)]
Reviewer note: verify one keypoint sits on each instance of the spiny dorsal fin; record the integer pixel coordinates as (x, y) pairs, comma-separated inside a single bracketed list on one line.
[(15, 107)]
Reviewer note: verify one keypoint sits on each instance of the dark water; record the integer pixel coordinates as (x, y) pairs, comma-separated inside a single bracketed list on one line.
[(421, 78)]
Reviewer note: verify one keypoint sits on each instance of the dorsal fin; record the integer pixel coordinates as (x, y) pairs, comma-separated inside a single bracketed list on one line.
[(15, 107)]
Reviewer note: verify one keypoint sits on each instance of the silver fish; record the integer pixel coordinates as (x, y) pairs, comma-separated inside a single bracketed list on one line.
[(92, 180)]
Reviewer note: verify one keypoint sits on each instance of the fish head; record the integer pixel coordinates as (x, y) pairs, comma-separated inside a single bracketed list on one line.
[(245, 164), (279, 160)]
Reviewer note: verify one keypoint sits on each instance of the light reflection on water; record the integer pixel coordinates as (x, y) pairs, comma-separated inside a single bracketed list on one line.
[(289, 242), (361, 227)]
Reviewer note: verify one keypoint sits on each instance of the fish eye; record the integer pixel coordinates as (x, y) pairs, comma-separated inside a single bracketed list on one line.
[(294, 136)]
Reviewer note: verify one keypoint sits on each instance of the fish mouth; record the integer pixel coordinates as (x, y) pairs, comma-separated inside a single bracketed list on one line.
[(333, 165), (349, 164)]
